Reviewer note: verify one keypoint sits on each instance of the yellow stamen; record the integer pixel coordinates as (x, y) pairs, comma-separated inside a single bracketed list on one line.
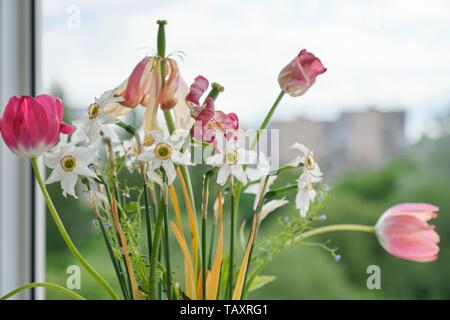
[(68, 163)]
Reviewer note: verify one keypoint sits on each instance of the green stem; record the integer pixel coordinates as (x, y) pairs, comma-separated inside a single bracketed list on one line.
[(333, 228), (65, 235), (205, 199), (153, 283), (166, 239), (232, 234), (47, 285), (267, 119), (211, 245), (237, 192)]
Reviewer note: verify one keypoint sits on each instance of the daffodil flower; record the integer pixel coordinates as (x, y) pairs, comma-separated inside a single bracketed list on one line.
[(306, 158), (311, 174), (230, 158), (93, 124), (67, 164), (165, 152)]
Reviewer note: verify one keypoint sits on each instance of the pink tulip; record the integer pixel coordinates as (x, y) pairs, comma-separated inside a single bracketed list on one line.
[(31, 126), (300, 74), (404, 232), (208, 120)]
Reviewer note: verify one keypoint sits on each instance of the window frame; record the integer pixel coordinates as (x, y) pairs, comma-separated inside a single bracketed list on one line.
[(22, 210)]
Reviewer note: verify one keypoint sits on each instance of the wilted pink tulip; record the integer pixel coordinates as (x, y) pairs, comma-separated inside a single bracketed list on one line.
[(31, 126), (404, 232), (145, 87), (208, 120), (300, 74)]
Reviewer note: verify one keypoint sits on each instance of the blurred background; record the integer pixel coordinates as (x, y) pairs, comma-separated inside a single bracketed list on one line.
[(378, 119)]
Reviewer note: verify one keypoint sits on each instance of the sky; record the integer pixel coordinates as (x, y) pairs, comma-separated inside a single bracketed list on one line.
[(392, 54)]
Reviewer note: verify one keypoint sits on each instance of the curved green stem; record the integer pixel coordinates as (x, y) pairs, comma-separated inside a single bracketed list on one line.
[(74, 295), (334, 228), (62, 230)]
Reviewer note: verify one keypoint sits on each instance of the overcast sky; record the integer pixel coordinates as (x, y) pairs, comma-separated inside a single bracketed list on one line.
[(389, 53)]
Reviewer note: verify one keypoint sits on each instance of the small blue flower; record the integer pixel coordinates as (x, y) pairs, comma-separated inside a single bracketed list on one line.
[(323, 217), (286, 218), (337, 257)]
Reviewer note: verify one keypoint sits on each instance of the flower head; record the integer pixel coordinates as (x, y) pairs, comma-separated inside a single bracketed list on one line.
[(230, 158), (145, 87), (95, 122), (165, 152), (404, 232), (300, 74), (32, 126), (305, 183), (67, 164), (208, 120)]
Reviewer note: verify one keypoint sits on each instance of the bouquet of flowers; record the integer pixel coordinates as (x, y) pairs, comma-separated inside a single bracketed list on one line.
[(137, 180)]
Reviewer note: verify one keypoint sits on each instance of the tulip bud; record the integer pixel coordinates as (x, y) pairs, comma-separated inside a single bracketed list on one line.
[(31, 126), (403, 231), (300, 74)]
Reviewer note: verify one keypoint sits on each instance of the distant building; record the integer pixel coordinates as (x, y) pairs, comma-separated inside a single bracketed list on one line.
[(354, 140)]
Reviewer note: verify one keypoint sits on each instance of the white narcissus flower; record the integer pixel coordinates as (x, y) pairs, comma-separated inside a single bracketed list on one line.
[(230, 158), (165, 152), (96, 122), (307, 159), (305, 192), (67, 164)]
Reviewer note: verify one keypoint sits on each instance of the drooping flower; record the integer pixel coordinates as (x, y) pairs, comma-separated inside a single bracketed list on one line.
[(300, 74), (166, 152), (145, 87), (230, 158), (305, 192), (404, 232), (311, 174), (306, 158), (93, 124), (208, 120), (68, 164), (31, 126)]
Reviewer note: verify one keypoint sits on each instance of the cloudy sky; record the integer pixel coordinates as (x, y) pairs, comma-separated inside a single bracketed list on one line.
[(392, 54)]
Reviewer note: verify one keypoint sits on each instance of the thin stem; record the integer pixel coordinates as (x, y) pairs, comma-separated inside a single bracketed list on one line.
[(267, 119), (238, 190), (166, 238), (153, 283), (62, 230), (334, 228), (211, 245), (231, 259), (47, 285), (205, 198)]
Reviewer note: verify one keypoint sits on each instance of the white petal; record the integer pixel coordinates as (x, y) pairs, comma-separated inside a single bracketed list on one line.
[(223, 174), (303, 149), (148, 155), (156, 178), (169, 168), (82, 169), (68, 184), (238, 172), (271, 206), (55, 176), (52, 160), (296, 162)]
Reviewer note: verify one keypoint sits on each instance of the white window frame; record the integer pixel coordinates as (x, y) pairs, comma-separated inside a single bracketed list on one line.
[(22, 210)]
